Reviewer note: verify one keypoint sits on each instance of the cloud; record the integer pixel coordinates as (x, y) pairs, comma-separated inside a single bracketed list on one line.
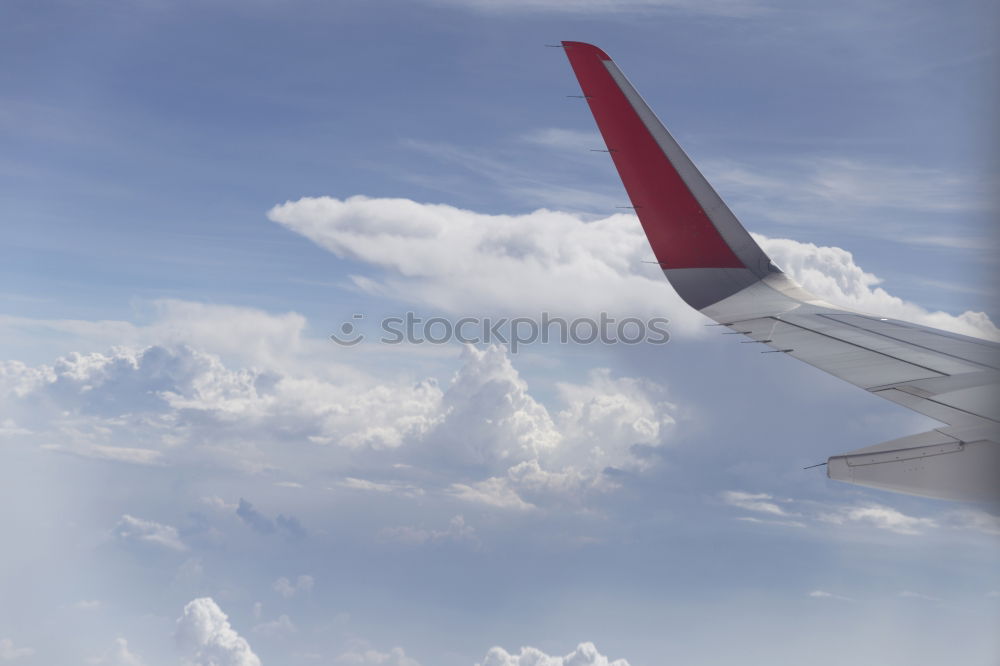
[(369, 657), (243, 334), (495, 492), (526, 183), (117, 655), (279, 628), (804, 514), (585, 654), (759, 502), (769, 521), (450, 259), (974, 519), (908, 594), (457, 530), (206, 638), (556, 262), (9, 653), (831, 274), (610, 8), (493, 423), (822, 594), (559, 138), (289, 589), (480, 437), (834, 189), (392, 487), (882, 517), (289, 525), (488, 416), (130, 528)]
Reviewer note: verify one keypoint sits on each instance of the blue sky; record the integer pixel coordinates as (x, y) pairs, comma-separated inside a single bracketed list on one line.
[(193, 471)]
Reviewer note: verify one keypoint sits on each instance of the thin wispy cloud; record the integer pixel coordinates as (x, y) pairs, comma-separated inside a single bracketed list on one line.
[(132, 529), (823, 594), (758, 502), (864, 516), (516, 175), (611, 8)]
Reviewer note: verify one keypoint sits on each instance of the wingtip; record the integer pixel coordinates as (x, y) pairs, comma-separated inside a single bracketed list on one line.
[(585, 47)]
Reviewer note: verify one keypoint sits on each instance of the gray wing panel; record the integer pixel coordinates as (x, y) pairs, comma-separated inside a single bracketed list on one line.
[(946, 376)]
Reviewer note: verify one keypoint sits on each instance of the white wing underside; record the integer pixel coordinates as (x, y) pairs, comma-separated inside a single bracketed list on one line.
[(946, 376)]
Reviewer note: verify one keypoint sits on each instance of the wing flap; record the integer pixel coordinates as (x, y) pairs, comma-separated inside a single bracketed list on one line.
[(931, 464)]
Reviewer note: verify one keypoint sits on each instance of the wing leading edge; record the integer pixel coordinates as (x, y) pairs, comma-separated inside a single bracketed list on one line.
[(718, 269)]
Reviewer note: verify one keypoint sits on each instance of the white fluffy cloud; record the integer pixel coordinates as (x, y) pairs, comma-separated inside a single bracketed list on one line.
[(832, 274), (453, 259), (481, 437), (206, 638), (585, 654), (166, 403), (449, 258)]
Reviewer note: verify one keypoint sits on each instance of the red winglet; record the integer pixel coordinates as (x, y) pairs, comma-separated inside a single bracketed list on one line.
[(679, 230)]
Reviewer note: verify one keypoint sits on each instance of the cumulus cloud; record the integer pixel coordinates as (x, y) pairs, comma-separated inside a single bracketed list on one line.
[(289, 589), (483, 436), (118, 655), (449, 258), (9, 653), (585, 654), (102, 404), (130, 528), (539, 458), (206, 638), (831, 274), (556, 262)]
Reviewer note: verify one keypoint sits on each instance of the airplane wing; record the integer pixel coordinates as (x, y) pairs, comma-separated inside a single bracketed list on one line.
[(718, 269)]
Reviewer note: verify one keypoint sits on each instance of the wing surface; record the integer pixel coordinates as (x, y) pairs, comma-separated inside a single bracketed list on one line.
[(717, 268)]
